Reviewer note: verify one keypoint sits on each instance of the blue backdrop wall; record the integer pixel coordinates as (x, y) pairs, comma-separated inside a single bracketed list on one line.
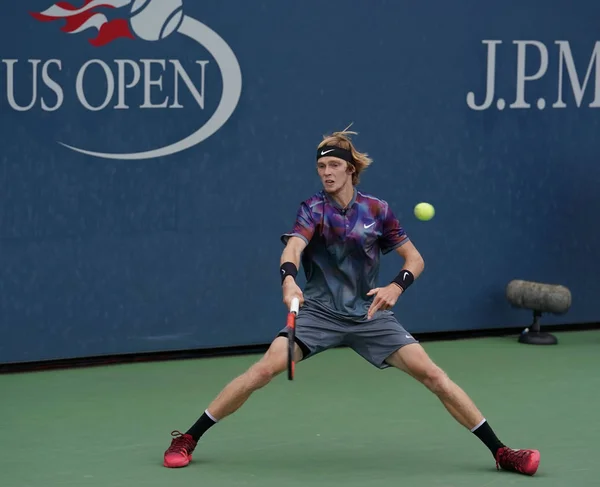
[(488, 111)]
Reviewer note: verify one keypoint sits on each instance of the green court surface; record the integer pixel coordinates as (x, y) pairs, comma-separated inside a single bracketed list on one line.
[(342, 422)]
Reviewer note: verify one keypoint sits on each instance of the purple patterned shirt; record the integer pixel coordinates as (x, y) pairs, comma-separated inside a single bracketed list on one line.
[(341, 260)]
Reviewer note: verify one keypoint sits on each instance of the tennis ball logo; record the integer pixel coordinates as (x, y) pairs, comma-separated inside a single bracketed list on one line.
[(153, 20)]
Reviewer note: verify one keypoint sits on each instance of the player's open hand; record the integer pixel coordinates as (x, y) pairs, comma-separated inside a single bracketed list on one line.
[(385, 298), (291, 290)]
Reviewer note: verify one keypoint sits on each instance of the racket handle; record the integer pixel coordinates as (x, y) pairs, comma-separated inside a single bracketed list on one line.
[(295, 306)]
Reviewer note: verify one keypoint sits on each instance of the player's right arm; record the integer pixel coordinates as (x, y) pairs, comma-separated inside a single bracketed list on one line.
[(292, 254), (295, 243)]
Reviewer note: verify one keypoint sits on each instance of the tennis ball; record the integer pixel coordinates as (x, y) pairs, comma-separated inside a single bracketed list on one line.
[(152, 20), (424, 211)]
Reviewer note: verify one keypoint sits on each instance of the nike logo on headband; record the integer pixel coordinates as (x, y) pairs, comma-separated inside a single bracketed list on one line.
[(344, 154)]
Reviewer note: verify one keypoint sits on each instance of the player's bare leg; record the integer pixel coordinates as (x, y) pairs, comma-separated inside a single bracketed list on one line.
[(237, 392), (229, 400), (413, 360)]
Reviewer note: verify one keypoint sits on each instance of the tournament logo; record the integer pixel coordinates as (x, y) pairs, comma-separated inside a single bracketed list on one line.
[(148, 21)]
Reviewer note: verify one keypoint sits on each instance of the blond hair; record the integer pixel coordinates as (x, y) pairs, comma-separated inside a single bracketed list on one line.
[(360, 160)]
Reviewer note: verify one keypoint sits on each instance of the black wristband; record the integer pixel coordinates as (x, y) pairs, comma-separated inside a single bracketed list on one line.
[(288, 269), (404, 279)]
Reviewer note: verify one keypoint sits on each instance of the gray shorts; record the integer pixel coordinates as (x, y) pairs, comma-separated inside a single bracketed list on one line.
[(375, 340)]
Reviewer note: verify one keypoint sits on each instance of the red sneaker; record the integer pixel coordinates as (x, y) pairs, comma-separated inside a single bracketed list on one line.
[(179, 454), (522, 461)]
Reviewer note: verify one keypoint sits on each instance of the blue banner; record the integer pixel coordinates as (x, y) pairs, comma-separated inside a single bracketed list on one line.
[(155, 150)]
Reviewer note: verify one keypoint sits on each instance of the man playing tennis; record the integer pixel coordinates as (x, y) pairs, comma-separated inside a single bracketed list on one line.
[(338, 236)]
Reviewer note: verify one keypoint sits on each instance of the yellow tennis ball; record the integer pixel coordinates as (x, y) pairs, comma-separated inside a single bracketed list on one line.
[(424, 211)]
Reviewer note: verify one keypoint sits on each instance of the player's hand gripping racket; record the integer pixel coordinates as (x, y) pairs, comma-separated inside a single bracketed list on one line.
[(291, 326)]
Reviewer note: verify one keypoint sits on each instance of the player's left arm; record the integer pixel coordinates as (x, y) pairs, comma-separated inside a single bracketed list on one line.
[(413, 260), (386, 297), (394, 237)]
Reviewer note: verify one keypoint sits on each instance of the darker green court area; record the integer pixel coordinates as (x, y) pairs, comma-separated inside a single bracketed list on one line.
[(342, 422)]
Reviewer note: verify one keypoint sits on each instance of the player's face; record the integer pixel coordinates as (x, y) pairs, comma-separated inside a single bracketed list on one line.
[(334, 173)]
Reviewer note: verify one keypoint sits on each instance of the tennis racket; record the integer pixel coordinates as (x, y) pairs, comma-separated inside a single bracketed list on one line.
[(291, 327)]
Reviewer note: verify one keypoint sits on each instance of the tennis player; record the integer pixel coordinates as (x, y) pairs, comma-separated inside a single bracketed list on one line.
[(338, 237)]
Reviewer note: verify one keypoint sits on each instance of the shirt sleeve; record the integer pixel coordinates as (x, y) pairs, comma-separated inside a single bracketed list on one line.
[(304, 227), (392, 233)]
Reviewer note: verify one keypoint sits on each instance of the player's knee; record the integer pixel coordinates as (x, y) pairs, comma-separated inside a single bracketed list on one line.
[(265, 371), (262, 375), (437, 381)]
